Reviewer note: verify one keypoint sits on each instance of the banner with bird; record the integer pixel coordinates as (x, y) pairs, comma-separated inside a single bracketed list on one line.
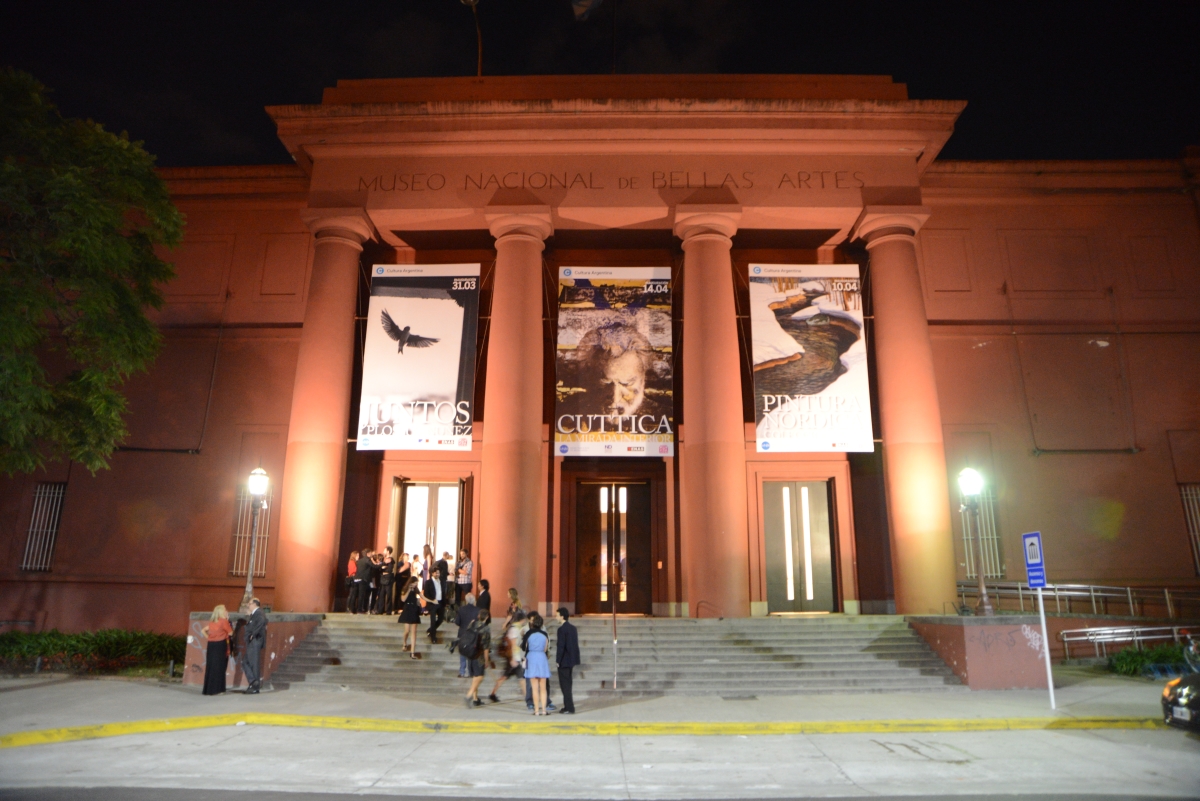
[(418, 382), (809, 354), (614, 381)]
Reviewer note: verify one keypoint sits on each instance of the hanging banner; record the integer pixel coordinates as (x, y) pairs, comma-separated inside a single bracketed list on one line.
[(419, 358), (811, 391), (613, 362)]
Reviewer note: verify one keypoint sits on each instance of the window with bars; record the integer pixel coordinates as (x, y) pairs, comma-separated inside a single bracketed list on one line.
[(243, 524), (1190, 493), (993, 553), (43, 526)]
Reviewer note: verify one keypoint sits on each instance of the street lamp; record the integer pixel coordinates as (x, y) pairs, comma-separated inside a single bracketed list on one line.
[(970, 484), (257, 484)]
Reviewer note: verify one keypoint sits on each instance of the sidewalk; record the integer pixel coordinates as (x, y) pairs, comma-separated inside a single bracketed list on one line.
[(969, 744), (37, 703)]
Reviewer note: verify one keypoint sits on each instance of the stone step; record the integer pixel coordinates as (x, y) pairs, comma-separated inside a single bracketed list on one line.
[(657, 655), (647, 688)]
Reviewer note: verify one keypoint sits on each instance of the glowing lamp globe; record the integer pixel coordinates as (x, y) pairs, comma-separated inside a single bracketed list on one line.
[(258, 482), (970, 482)]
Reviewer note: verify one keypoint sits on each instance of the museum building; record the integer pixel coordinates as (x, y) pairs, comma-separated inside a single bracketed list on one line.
[(706, 346)]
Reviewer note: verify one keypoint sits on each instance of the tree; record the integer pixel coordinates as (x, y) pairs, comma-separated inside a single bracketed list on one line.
[(81, 211)]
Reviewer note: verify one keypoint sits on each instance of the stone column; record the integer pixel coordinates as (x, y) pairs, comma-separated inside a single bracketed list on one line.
[(713, 454), (511, 521), (314, 471), (913, 456)]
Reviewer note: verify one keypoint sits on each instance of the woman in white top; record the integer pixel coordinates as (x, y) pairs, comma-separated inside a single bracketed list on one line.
[(510, 650)]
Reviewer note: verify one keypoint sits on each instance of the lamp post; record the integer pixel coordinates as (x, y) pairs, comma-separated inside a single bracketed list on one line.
[(257, 485), (970, 483)]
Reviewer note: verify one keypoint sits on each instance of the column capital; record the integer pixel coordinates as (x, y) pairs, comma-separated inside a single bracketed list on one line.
[(876, 222), (527, 221), (697, 219), (349, 223)]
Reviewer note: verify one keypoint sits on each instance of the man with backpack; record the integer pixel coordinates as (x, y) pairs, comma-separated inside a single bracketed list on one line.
[(474, 644), (464, 617)]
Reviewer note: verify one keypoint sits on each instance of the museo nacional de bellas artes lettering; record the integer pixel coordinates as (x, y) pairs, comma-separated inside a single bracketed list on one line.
[(811, 390), (419, 358), (613, 384)]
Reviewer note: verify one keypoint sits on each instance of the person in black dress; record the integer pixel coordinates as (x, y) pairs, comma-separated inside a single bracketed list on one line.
[(219, 634), (404, 571), (410, 615)]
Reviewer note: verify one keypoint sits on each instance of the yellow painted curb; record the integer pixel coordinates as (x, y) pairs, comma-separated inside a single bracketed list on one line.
[(47, 736)]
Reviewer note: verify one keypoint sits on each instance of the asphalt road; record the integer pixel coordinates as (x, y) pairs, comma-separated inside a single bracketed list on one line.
[(233, 761)]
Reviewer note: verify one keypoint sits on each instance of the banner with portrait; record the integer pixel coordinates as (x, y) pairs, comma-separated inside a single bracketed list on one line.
[(809, 351), (418, 382), (613, 361)]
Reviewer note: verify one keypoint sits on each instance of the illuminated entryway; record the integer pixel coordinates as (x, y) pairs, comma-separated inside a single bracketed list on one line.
[(429, 513), (613, 547), (799, 547)]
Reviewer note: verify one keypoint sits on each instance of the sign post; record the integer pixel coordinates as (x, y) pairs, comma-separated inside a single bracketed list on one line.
[(1035, 574)]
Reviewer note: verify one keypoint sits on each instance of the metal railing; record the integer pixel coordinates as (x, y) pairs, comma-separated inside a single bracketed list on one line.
[(43, 526), (243, 526), (1100, 638), (992, 545), (1098, 599)]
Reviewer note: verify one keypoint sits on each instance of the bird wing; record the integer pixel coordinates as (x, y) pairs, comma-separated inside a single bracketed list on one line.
[(415, 341), (389, 326)]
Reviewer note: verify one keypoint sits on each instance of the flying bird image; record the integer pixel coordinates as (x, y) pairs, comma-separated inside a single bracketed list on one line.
[(403, 336)]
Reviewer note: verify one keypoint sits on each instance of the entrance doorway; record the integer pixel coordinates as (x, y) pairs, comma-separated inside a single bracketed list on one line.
[(799, 547), (430, 513), (613, 547)]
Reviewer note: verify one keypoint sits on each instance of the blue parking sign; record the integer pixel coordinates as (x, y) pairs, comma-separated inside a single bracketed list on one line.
[(1035, 563)]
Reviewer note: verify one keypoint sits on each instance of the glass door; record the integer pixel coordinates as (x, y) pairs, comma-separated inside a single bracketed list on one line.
[(799, 547), (613, 548), (431, 515)]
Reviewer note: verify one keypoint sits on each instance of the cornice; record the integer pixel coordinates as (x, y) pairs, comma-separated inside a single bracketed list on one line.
[(912, 128), (996, 179), (277, 180)]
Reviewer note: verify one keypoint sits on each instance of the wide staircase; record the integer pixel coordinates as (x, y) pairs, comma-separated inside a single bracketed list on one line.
[(656, 656)]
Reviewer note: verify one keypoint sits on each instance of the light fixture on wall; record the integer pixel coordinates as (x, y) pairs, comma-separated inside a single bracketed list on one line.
[(257, 485), (970, 484)]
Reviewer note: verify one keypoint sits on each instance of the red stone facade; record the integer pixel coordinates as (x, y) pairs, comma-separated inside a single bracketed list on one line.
[(1040, 321)]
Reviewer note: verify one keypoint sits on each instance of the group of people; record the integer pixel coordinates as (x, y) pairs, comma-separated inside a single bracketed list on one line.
[(222, 641), (373, 576), (522, 652)]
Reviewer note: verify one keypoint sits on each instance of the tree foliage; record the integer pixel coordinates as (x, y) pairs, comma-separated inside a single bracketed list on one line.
[(81, 211)]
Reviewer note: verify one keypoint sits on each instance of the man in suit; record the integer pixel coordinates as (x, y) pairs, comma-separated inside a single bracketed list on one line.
[(256, 638), (443, 566), (435, 602), (567, 657)]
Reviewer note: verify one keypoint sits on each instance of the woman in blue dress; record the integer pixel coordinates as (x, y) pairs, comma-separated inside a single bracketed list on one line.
[(537, 667)]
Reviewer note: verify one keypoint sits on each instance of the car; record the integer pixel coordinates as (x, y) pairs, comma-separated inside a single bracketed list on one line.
[(1181, 696)]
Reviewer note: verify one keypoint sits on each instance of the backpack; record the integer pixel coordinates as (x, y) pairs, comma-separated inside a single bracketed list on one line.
[(468, 643)]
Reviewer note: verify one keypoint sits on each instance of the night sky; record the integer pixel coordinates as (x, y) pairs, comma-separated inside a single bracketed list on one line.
[(1043, 80)]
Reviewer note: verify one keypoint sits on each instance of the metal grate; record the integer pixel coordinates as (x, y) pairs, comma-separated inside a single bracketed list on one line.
[(243, 525), (1190, 493), (43, 526), (993, 554)]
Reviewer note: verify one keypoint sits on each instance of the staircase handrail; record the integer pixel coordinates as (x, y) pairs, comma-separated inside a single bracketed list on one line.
[(1100, 637), (1172, 597)]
